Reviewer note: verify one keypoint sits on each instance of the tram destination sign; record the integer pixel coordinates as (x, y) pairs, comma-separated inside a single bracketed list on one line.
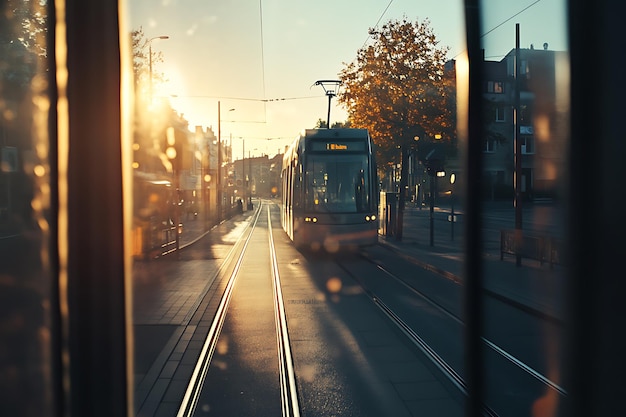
[(335, 146)]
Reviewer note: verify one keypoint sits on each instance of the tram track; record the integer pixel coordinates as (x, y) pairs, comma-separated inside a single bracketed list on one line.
[(289, 392), (190, 399), (491, 345), (446, 369), (548, 316), (287, 379)]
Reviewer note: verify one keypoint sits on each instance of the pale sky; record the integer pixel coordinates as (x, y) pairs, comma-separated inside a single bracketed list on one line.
[(242, 52)]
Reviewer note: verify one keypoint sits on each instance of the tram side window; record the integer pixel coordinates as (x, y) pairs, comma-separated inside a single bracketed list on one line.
[(361, 196), (297, 186)]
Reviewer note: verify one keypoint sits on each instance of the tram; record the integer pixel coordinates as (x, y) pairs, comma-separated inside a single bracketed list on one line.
[(329, 190)]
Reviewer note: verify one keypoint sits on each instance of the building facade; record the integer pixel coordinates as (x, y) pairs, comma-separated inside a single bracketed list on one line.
[(540, 87)]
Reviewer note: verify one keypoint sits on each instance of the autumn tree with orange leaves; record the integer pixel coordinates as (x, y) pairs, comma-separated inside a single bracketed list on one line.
[(400, 89)]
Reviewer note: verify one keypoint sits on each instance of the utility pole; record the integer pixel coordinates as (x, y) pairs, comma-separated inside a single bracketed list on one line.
[(518, 155), (219, 163), (404, 162), (243, 168)]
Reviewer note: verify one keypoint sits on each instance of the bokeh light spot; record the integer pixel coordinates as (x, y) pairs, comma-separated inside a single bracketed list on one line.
[(333, 285)]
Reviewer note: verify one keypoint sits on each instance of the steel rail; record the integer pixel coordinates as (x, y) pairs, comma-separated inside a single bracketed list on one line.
[(512, 359), (446, 369), (288, 387), (196, 382), (228, 260)]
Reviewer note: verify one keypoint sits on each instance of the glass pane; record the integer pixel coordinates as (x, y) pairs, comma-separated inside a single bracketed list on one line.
[(25, 272), (526, 53), (214, 79), (337, 185), (221, 89)]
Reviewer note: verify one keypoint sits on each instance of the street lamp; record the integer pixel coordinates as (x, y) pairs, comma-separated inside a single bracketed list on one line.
[(434, 163), (150, 52), (415, 177)]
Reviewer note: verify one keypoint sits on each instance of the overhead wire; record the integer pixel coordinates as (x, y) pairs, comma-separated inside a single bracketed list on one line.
[(502, 23), (380, 18), (265, 100), (511, 17), (377, 22), (482, 36)]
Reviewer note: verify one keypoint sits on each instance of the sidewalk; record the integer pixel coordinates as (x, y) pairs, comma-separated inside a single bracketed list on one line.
[(532, 286), (193, 230)]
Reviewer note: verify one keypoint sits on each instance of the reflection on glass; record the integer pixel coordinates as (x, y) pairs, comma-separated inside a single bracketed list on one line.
[(25, 274), (526, 111)]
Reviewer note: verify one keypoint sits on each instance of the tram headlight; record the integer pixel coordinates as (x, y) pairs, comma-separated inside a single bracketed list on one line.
[(310, 219), (370, 218)]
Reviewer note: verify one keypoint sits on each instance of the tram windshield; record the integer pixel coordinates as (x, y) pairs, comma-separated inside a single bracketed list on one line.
[(337, 184)]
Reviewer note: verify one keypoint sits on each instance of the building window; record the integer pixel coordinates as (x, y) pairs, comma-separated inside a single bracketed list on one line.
[(490, 146), (527, 143), (523, 68), (495, 87), (499, 113)]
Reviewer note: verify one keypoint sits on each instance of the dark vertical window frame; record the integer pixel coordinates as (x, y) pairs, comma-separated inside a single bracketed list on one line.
[(596, 343), (473, 303), (99, 376)]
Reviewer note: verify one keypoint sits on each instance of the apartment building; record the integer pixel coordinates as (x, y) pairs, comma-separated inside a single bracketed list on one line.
[(542, 90)]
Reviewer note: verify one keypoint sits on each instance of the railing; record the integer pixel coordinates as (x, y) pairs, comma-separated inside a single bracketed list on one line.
[(540, 248), (154, 239), (169, 240)]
